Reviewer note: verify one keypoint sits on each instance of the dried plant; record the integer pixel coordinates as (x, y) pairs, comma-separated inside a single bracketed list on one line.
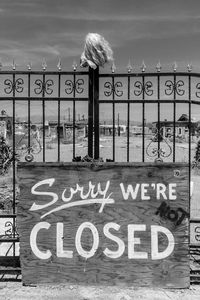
[(196, 161), (7, 156)]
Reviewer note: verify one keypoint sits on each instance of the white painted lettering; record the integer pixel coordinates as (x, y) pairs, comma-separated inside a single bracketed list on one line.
[(132, 240), (50, 182), (155, 229), (120, 243), (144, 187), (79, 248), (161, 189), (117, 250), (33, 240), (172, 191), (59, 242), (130, 191), (102, 192)]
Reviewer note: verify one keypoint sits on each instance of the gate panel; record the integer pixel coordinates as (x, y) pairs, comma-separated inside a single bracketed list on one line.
[(139, 95), (172, 138), (111, 103), (44, 117)]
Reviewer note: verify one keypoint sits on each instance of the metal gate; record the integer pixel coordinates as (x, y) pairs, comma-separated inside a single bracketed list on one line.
[(91, 116), (25, 99)]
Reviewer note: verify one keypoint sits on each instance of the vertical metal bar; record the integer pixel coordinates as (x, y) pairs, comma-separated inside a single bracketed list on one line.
[(90, 112), (29, 115), (74, 114), (190, 129), (189, 144), (174, 122), (14, 166), (113, 113), (159, 129), (58, 128), (143, 119), (96, 113), (43, 115), (128, 120)]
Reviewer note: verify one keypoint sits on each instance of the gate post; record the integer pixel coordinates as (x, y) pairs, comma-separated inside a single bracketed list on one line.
[(93, 113), (90, 112), (96, 113)]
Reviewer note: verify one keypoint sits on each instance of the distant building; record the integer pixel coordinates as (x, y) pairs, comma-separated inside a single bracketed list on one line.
[(65, 128), (181, 127), (106, 129), (5, 124), (138, 130)]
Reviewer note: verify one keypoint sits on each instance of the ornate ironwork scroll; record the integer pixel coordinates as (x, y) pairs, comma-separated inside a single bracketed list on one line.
[(76, 86), (44, 87), (12, 86), (146, 88), (174, 87), (152, 149), (10, 229), (198, 90), (23, 149), (113, 89)]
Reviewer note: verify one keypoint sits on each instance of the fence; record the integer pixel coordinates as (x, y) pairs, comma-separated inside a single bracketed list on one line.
[(90, 115)]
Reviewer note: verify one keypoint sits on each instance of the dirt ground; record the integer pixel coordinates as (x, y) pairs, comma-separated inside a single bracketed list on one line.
[(106, 148), (13, 290)]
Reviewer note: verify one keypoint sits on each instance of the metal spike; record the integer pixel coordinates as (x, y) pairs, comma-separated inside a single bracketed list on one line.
[(143, 67), (59, 65), (14, 65), (44, 65), (129, 67), (74, 66), (113, 67), (175, 66), (189, 67), (158, 67), (29, 66)]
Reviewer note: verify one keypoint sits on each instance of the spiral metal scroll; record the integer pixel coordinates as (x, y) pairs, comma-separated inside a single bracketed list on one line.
[(174, 87), (146, 88), (13, 86), (35, 148), (23, 149), (153, 151), (113, 89), (10, 230), (198, 90), (43, 87), (74, 87)]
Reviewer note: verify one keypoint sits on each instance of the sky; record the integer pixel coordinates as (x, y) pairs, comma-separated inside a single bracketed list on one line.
[(137, 30)]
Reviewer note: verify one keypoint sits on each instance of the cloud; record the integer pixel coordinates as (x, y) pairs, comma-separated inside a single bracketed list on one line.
[(34, 29), (107, 17)]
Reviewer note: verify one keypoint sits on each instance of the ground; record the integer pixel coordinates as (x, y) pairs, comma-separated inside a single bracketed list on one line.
[(13, 290)]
